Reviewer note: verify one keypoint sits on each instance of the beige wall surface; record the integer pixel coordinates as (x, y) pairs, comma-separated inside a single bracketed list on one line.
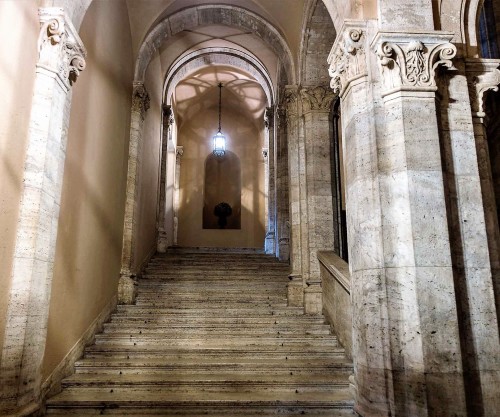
[(246, 142), (150, 164), (88, 251), (19, 30)]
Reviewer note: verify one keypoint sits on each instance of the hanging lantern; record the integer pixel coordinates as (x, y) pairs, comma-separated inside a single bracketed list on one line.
[(219, 140)]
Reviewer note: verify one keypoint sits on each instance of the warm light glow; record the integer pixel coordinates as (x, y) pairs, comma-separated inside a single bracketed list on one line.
[(219, 144)]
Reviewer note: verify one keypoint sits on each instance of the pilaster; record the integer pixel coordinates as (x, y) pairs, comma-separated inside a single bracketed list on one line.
[(422, 322), (60, 61), (317, 212), (178, 157), (282, 209), (140, 105), (167, 122), (268, 154)]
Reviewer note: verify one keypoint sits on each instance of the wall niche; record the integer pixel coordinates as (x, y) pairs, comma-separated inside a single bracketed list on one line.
[(222, 185)]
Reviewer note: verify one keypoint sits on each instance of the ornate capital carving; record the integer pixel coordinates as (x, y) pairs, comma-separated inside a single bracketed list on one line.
[(140, 99), (408, 61), (269, 117), (317, 98), (482, 75), (347, 58), (290, 101), (179, 151), (60, 49)]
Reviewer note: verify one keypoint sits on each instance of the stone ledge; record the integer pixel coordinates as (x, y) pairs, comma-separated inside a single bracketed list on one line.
[(337, 267)]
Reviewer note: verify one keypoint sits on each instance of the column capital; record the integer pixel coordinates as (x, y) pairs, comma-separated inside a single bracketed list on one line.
[(168, 114), (269, 117), (482, 75), (140, 99), (347, 58), (60, 49), (290, 101), (179, 152), (408, 61), (317, 98)]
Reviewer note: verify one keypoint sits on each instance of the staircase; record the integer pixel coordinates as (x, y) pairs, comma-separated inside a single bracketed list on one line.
[(210, 334)]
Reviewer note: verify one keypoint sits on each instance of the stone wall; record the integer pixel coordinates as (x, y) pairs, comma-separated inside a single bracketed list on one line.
[(87, 261)]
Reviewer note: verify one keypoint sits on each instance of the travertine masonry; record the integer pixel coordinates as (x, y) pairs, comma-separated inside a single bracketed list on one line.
[(61, 58)]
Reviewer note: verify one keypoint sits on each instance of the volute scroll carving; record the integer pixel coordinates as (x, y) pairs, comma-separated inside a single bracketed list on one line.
[(483, 75), (410, 61), (60, 49), (347, 58)]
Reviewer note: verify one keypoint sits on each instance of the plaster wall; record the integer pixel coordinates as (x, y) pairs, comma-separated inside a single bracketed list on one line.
[(88, 250), (19, 29), (150, 165), (246, 142)]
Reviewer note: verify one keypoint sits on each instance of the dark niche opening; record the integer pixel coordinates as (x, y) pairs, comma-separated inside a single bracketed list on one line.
[(222, 185)]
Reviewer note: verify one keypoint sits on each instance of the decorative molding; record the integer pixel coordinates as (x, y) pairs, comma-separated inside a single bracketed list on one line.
[(482, 75), (179, 151), (408, 61), (60, 49), (347, 58), (317, 98), (269, 117), (140, 99)]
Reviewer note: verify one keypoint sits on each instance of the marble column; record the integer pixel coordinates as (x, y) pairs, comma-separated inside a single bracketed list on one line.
[(281, 156), (60, 61), (479, 230), (406, 339), (424, 338), (317, 213), (178, 156), (162, 237), (127, 283), (291, 107), (270, 181)]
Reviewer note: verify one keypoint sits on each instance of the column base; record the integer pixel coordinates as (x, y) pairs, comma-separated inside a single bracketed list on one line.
[(269, 243), (162, 242), (295, 291), (127, 289), (313, 298), (284, 249)]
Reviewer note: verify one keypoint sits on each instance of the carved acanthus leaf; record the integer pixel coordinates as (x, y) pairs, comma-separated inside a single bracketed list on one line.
[(409, 62), (347, 59), (140, 99), (317, 98), (60, 49)]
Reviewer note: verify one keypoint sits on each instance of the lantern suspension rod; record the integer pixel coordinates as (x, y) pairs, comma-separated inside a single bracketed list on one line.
[(220, 105)]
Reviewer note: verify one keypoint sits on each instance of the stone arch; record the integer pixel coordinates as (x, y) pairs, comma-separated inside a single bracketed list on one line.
[(318, 36), (219, 56), (196, 16), (465, 27)]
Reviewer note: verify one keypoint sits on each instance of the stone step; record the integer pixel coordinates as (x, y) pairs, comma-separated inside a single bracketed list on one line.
[(236, 329), (216, 356), (191, 320), (221, 380), (211, 334), (216, 311)]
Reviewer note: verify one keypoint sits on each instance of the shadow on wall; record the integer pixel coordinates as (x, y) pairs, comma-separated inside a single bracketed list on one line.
[(222, 185)]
